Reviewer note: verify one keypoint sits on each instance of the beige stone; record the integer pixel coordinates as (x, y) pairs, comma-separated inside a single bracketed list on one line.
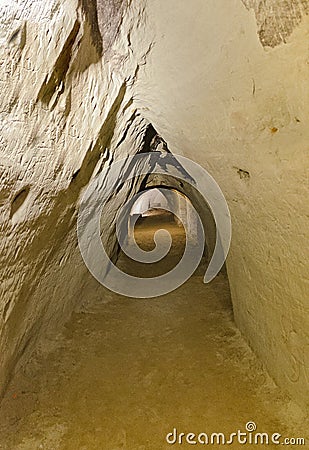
[(78, 90)]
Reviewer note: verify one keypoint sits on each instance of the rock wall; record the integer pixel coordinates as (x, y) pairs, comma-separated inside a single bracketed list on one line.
[(240, 108), (277, 19), (222, 83), (66, 106)]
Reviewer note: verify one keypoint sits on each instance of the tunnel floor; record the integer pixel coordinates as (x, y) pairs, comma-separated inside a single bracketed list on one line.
[(125, 372)]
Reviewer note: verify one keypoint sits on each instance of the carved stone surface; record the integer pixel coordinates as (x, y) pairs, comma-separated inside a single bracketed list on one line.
[(277, 19), (81, 81)]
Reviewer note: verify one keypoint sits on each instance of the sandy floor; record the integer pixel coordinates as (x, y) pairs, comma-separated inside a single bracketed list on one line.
[(126, 372)]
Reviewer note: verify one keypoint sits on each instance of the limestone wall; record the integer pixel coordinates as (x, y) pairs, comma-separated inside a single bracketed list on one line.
[(223, 82), (240, 108), (66, 102)]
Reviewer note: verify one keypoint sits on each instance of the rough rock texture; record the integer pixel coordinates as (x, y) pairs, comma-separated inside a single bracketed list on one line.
[(63, 115), (242, 112), (81, 83), (277, 19), (110, 16)]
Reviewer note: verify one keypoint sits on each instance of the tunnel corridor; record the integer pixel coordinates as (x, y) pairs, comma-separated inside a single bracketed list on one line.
[(125, 372), (154, 221)]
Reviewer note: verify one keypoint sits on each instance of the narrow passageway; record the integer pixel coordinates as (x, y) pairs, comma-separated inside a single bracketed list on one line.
[(113, 111), (126, 372)]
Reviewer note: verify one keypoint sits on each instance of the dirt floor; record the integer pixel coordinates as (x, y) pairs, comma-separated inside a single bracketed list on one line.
[(126, 372)]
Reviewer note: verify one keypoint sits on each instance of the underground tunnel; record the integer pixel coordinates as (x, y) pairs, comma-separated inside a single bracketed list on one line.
[(154, 220)]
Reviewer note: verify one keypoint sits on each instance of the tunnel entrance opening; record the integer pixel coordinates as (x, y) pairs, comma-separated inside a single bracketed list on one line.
[(151, 203), (150, 214), (155, 209), (163, 204)]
